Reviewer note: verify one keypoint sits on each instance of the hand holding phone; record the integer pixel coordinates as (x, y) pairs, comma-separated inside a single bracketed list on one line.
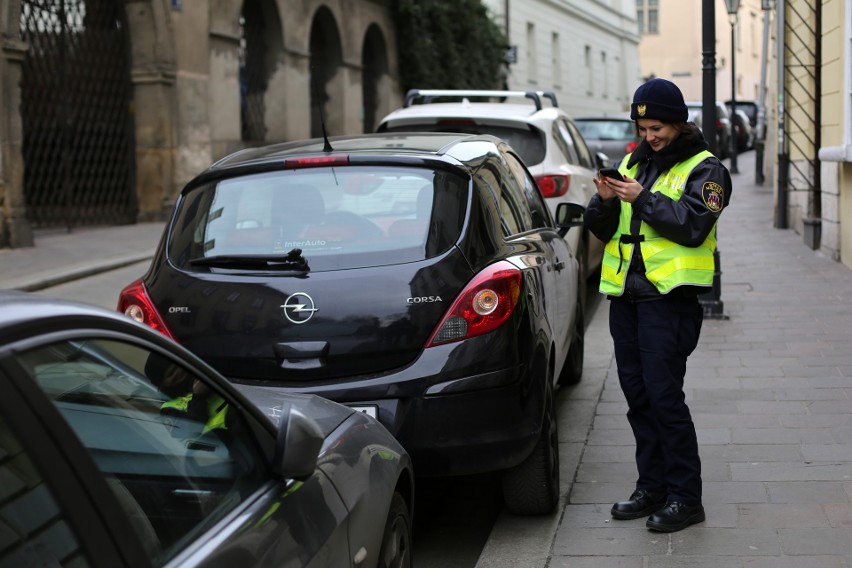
[(611, 173)]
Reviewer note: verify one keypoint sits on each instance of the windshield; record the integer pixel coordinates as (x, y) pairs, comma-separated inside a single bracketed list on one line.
[(319, 219), (607, 129)]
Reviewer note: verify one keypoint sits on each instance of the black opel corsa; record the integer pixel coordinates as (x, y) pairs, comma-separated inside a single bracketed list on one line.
[(417, 277)]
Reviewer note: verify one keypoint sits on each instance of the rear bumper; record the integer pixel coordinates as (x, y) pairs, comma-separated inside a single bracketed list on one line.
[(451, 424), (459, 431)]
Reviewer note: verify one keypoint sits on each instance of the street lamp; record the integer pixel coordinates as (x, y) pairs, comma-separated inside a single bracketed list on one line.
[(733, 7)]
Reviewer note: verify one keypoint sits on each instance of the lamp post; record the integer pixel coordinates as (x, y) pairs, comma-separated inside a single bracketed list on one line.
[(711, 301), (733, 7)]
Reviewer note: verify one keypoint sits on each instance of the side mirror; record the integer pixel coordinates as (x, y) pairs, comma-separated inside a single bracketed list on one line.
[(298, 444), (569, 215), (602, 160)]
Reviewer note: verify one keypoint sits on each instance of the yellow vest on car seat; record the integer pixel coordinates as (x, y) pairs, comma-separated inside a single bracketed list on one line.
[(667, 264)]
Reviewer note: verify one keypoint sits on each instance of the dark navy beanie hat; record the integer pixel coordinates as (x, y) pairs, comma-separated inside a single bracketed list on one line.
[(659, 99)]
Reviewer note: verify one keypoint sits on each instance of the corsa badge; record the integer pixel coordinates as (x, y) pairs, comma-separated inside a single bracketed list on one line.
[(641, 110), (712, 194)]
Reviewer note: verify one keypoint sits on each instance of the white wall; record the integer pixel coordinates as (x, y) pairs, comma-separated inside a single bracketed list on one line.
[(598, 51)]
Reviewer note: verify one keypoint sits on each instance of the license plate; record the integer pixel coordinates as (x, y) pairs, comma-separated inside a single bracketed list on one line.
[(370, 410)]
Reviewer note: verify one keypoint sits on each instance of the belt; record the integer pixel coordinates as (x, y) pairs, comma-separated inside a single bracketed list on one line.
[(629, 239)]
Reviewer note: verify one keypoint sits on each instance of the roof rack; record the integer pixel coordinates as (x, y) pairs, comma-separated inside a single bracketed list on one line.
[(428, 94)]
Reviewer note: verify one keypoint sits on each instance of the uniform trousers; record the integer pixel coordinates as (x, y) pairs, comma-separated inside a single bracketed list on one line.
[(652, 341)]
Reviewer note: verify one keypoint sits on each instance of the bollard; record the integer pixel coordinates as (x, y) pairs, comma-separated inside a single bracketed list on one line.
[(711, 301)]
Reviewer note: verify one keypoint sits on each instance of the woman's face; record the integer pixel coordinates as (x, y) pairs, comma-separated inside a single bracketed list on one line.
[(658, 134)]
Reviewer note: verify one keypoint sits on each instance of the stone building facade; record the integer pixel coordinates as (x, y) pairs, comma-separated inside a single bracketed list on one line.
[(109, 108)]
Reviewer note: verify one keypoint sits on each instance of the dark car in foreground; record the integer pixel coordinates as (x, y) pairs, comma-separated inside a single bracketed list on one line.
[(118, 448), (417, 277)]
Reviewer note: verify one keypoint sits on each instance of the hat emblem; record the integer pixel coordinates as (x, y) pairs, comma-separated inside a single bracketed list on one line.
[(641, 110)]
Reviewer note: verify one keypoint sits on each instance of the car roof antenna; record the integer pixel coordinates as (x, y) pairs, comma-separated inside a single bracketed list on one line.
[(315, 95), (326, 144)]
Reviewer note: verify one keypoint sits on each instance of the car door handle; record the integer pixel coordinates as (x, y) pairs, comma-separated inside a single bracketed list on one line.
[(559, 265)]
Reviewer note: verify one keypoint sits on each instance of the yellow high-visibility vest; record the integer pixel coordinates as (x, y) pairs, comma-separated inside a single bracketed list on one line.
[(667, 264), (217, 410)]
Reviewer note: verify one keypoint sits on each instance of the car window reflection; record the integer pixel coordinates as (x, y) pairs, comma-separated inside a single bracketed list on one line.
[(34, 527), (174, 454)]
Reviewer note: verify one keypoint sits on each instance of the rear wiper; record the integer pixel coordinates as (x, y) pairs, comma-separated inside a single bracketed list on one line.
[(293, 260)]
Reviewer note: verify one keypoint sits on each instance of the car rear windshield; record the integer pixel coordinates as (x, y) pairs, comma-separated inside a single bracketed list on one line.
[(528, 141), (607, 129), (335, 218)]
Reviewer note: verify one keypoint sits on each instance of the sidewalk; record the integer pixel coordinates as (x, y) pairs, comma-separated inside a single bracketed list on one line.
[(59, 256), (770, 391)]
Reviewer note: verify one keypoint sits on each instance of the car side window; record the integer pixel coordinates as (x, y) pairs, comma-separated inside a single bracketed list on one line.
[(538, 209), (564, 142), (513, 204), (174, 453), (583, 152), (488, 179), (33, 528)]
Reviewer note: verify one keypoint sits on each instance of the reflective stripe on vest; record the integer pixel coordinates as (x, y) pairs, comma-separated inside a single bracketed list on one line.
[(667, 264)]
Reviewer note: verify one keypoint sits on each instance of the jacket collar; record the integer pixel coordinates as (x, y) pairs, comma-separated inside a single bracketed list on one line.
[(681, 148)]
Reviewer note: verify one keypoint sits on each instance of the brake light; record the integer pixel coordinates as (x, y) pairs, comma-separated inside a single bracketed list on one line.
[(316, 161), (134, 302), (553, 186), (484, 305), (718, 124), (630, 147)]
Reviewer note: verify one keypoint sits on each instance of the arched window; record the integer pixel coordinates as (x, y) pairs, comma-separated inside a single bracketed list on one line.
[(260, 37), (326, 59), (374, 63)]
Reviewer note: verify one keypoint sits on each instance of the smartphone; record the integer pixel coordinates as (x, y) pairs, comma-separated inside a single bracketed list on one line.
[(611, 173)]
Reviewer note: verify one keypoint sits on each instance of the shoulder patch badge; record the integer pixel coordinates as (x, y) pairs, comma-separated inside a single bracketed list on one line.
[(713, 196)]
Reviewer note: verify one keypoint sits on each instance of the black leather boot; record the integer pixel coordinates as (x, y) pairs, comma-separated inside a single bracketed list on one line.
[(675, 516), (641, 504)]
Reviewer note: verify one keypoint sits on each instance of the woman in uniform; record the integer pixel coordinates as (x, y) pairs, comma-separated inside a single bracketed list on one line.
[(659, 223)]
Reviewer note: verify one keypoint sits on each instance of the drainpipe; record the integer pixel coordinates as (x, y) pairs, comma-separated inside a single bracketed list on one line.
[(760, 144)]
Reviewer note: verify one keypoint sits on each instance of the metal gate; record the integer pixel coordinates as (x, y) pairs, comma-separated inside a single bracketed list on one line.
[(799, 164), (76, 112)]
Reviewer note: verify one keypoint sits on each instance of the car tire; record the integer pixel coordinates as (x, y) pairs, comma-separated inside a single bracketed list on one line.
[(572, 370), (532, 487), (396, 541)]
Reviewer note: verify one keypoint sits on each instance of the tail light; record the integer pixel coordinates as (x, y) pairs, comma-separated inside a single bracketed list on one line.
[(553, 186), (630, 147), (719, 125), (484, 305), (134, 302)]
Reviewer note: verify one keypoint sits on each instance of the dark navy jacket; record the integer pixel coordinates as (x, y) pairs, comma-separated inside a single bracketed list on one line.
[(686, 222)]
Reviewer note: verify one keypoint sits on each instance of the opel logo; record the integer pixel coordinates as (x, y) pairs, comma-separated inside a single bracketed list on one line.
[(299, 308)]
